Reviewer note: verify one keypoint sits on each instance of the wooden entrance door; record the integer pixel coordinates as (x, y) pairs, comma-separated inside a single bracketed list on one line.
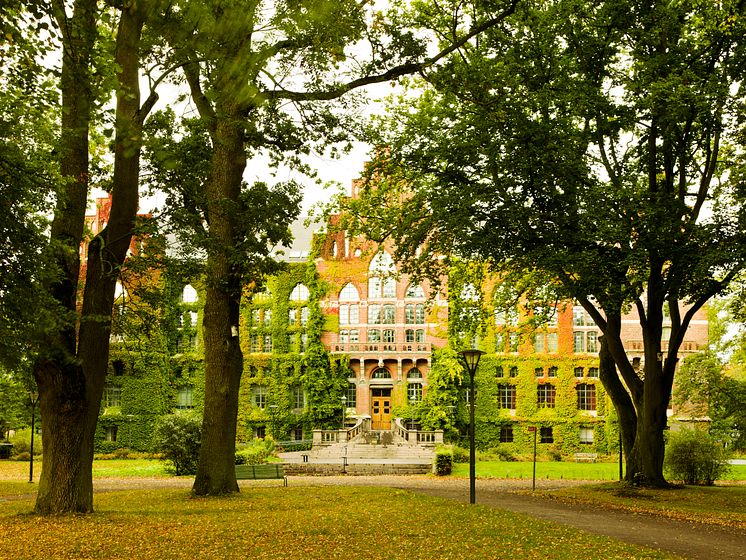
[(380, 409)]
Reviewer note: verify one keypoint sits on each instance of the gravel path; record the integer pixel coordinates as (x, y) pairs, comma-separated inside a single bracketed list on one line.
[(688, 539)]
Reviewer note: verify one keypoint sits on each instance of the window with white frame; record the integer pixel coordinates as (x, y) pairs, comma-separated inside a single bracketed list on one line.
[(586, 396), (506, 434), (389, 314), (546, 394), (349, 314), (552, 342), (506, 396), (374, 335), (267, 344), (112, 395), (259, 396), (539, 342), (389, 335), (586, 435), (351, 395), (381, 373), (414, 392), (185, 397), (299, 397), (374, 314)]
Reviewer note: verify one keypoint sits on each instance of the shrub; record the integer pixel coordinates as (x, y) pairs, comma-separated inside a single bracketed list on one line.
[(177, 437), (460, 455), (255, 452), (694, 457), (443, 461), (24, 456), (22, 442)]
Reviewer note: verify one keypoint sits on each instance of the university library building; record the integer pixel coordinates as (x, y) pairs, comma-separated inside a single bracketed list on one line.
[(342, 338)]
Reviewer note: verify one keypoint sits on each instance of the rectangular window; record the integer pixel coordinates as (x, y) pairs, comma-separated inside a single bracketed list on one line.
[(515, 340), (259, 396), (499, 371), (354, 335), (351, 395), (296, 434), (291, 342), (580, 317), (578, 372), (304, 316), (354, 313), (374, 335), (409, 313), (255, 318), (578, 341), (514, 371), (267, 343), (374, 314), (344, 314), (545, 395), (185, 397), (260, 432), (538, 372), (267, 317), (592, 372), (112, 396), (414, 392), (389, 288), (344, 336), (506, 434), (500, 342), (546, 435), (389, 335), (419, 335), (552, 342), (586, 436), (506, 396), (389, 314), (539, 339), (552, 371), (299, 398), (293, 316), (586, 396), (254, 343), (419, 313), (592, 342), (409, 335), (111, 433), (303, 342)]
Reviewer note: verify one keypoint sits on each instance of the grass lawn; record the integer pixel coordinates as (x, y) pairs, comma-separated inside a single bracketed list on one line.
[(296, 522), (559, 470), (723, 505)]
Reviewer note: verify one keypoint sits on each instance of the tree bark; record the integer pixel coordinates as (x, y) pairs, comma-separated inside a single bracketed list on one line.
[(223, 357), (71, 382)]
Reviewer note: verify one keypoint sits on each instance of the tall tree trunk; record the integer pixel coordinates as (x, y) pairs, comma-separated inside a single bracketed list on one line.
[(223, 357), (624, 407), (71, 387)]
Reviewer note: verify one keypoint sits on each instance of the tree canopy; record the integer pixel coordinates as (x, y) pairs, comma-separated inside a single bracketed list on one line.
[(599, 143)]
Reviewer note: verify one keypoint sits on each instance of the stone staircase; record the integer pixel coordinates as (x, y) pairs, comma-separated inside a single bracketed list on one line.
[(367, 454)]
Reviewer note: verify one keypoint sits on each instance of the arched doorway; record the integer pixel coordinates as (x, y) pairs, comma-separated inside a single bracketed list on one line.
[(380, 399)]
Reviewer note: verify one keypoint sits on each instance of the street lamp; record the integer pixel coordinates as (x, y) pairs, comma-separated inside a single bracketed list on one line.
[(344, 410), (471, 359), (33, 399)]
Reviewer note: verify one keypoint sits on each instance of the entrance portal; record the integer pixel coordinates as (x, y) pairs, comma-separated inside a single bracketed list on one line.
[(380, 409)]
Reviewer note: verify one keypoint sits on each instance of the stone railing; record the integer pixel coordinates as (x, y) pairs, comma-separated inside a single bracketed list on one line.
[(324, 438), (418, 437)]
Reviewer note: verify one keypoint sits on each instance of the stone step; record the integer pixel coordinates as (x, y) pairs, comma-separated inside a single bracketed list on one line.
[(329, 469)]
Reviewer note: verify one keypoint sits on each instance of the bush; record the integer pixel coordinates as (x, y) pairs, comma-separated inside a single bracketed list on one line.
[(460, 455), (22, 442), (694, 457), (177, 437), (24, 456), (255, 452), (443, 461)]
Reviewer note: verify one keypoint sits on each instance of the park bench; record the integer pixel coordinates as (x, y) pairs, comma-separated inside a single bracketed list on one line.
[(261, 472), (590, 457)]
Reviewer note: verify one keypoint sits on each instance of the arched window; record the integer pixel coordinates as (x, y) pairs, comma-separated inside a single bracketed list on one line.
[(299, 293), (381, 276), (415, 291), (382, 263), (349, 293), (414, 373), (189, 294), (381, 373)]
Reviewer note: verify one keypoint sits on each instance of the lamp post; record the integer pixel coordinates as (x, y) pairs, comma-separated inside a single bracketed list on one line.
[(471, 359), (343, 398), (273, 415), (33, 399)]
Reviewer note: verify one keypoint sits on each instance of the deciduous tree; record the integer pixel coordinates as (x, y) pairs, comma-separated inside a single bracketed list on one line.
[(599, 143)]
